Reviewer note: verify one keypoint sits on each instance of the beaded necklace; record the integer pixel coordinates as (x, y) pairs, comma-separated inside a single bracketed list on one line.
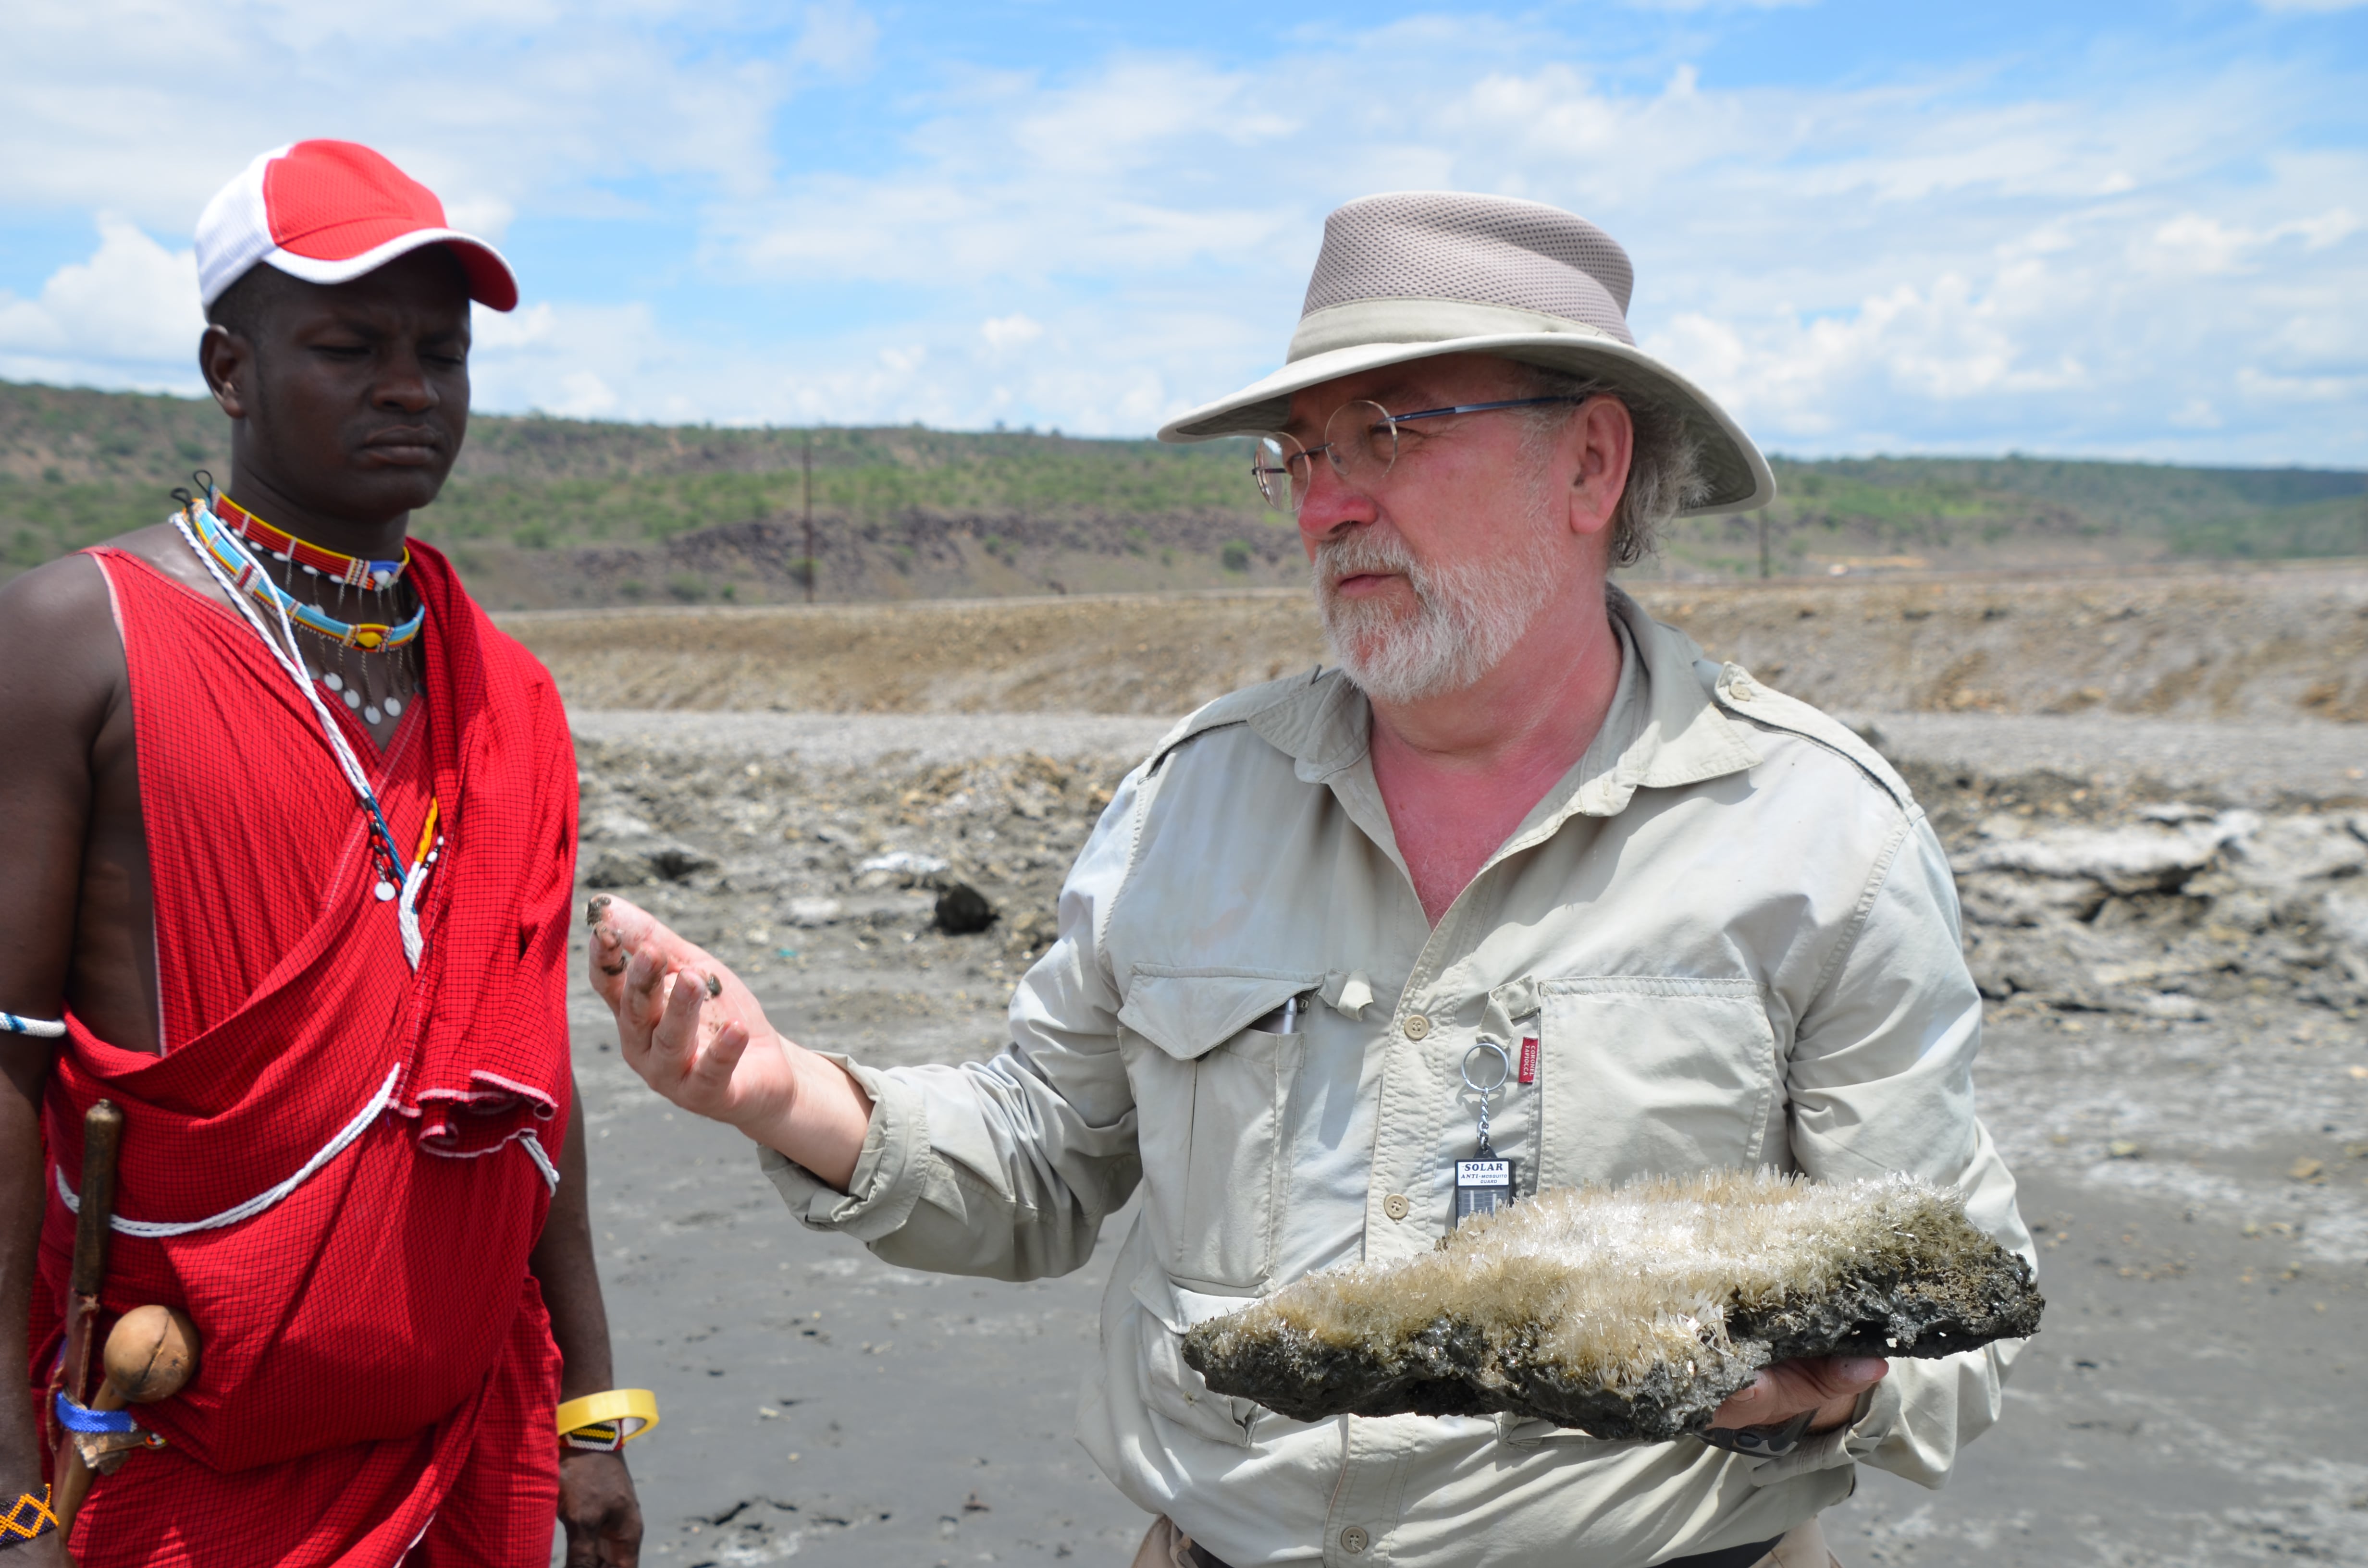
[(352, 570), (377, 687), (233, 570), (248, 573)]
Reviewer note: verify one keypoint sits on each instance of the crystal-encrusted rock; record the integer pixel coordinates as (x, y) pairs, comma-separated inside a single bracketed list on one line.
[(1632, 1311)]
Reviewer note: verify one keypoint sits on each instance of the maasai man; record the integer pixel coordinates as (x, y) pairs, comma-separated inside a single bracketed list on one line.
[(291, 834)]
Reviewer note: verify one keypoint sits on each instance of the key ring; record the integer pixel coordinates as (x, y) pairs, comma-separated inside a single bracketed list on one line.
[(1504, 1075), (1504, 1068)]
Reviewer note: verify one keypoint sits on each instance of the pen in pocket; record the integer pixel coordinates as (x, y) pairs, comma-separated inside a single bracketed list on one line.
[(1284, 1020)]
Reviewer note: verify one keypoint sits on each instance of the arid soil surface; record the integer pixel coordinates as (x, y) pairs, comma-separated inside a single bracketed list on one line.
[(2259, 644), (2168, 914)]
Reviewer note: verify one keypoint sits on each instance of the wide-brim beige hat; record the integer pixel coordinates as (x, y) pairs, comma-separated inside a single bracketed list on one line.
[(1417, 274)]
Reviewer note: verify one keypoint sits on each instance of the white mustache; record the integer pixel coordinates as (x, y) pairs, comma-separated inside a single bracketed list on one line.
[(1363, 551)]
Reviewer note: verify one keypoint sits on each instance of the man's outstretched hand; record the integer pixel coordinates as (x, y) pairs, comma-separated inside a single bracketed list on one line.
[(685, 1021), (696, 1035), (1829, 1385)]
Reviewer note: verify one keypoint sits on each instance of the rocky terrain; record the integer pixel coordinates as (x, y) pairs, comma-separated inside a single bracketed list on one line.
[(2162, 916)]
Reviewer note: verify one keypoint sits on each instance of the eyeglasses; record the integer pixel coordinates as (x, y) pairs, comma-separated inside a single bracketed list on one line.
[(1361, 442)]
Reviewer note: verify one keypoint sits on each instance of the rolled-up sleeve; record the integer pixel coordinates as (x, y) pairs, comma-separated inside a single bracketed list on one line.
[(1881, 1080), (1005, 1168)]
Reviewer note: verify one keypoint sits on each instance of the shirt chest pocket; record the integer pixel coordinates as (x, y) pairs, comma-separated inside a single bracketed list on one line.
[(1212, 1095), (1649, 1074)]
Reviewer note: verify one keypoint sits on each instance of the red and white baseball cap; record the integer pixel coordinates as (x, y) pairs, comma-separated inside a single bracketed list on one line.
[(328, 213)]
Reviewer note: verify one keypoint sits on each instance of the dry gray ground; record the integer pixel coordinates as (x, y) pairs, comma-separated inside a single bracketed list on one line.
[(2177, 1067)]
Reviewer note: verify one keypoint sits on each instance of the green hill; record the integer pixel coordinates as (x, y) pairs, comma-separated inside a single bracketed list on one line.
[(545, 511)]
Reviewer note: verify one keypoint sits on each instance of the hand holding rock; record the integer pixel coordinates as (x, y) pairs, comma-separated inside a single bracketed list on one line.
[(1827, 1384)]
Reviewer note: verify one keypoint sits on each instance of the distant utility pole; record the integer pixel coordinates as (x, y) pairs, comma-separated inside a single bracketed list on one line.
[(1763, 544), (811, 571)]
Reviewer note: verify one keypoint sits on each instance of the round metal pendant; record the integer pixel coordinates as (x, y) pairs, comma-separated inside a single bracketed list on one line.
[(333, 681), (353, 698), (370, 715), (395, 707), (385, 891)]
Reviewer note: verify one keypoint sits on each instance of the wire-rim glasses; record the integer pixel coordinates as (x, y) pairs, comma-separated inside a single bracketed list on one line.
[(1361, 442)]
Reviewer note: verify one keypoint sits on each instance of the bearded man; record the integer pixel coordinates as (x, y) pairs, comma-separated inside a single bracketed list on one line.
[(1705, 925), (292, 830)]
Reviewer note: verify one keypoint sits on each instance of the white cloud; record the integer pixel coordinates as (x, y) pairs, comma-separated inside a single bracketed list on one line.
[(583, 394), (2191, 243), (127, 316), (1011, 331), (490, 104), (837, 40), (571, 361)]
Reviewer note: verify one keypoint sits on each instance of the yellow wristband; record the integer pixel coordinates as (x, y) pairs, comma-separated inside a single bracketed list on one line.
[(610, 1420)]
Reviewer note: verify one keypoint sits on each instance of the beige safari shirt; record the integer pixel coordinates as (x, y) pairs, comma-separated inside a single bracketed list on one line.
[(1733, 936)]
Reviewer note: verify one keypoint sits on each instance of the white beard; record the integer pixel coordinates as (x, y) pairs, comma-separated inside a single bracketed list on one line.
[(1468, 617)]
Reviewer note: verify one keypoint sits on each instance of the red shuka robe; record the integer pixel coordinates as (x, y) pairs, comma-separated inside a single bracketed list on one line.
[(376, 1370)]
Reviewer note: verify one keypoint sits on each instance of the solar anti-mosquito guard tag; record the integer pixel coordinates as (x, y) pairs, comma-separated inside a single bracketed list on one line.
[(1484, 1183)]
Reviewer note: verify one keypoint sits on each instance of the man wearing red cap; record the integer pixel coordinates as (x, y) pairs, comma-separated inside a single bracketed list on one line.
[(292, 850)]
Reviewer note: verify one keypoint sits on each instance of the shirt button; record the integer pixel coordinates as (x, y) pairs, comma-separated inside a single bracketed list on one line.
[(1416, 1027), (1354, 1539), (1396, 1206)]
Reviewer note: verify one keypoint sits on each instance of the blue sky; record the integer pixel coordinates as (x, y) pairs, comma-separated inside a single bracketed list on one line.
[(2093, 230)]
